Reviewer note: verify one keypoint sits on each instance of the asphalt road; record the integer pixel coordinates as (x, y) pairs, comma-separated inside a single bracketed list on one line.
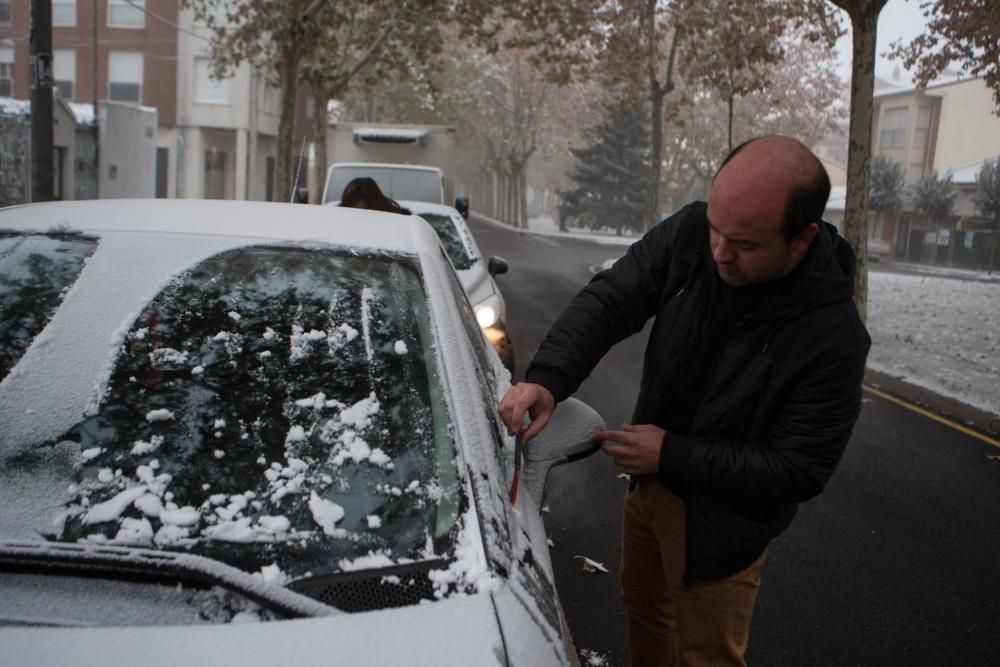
[(896, 563)]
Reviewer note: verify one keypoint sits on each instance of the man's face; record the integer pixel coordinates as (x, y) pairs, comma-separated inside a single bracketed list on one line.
[(745, 235)]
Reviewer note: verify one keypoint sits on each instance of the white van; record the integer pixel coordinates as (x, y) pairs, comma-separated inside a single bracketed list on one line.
[(397, 181)]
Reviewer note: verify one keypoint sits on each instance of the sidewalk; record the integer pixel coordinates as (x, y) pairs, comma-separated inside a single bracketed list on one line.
[(885, 265), (966, 415)]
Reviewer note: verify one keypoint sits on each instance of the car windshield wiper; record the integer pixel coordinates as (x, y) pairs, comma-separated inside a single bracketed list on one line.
[(119, 562)]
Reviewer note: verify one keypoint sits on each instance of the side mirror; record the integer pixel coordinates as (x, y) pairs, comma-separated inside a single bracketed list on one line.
[(462, 206), (565, 439), (496, 265)]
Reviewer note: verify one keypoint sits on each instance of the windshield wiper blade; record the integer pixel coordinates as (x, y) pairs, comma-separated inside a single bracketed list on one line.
[(115, 561)]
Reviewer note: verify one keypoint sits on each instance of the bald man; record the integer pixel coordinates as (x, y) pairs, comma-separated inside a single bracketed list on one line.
[(750, 388)]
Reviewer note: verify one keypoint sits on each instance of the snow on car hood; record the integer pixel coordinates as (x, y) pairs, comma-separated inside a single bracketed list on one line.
[(457, 631)]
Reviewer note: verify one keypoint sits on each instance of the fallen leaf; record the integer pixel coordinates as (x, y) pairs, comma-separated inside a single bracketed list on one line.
[(593, 658), (591, 565)]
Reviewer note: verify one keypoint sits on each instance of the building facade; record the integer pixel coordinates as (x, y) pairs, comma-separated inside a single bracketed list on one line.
[(945, 128), (213, 139)]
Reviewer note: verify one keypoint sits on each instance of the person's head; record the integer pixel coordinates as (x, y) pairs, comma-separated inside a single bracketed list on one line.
[(364, 192), (765, 208)]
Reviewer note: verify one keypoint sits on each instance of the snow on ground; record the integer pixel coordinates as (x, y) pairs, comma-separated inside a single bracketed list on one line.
[(939, 333)]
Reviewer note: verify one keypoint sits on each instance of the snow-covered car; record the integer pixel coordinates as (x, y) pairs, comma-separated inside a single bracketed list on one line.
[(225, 441), (476, 274)]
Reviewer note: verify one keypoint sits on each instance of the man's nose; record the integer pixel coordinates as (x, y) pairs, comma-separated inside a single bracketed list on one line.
[(723, 253)]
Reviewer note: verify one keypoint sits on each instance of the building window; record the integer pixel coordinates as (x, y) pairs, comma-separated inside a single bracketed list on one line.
[(127, 13), (206, 89), (63, 13), (6, 12), (6, 68), (923, 128), (64, 70), (215, 174), (893, 128), (125, 76)]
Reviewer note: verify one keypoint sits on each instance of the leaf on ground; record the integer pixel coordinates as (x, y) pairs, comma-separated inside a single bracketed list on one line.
[(591, 565), (593, 658)]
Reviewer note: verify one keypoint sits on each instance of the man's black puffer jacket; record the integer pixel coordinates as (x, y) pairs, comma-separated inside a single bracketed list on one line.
[(780, 403)]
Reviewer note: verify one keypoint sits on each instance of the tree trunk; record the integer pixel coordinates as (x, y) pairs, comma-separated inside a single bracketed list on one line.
[(864, 22), (289, 70), (657, 93), (731, 103), (523, 186), (322, 97)]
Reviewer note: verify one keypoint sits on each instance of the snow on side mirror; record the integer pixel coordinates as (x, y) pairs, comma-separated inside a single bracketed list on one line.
[(566, 438)]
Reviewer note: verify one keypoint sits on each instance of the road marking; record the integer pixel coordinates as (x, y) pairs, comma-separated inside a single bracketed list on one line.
[(930, 415)]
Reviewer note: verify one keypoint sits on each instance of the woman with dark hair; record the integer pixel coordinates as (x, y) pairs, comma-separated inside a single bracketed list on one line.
[(364, 192)]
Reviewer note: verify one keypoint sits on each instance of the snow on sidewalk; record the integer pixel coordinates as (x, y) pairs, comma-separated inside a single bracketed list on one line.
[(938, 333)]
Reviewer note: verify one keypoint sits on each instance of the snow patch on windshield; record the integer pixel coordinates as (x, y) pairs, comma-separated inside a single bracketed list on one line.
[(325, 513), (111, 509), (159, 415)]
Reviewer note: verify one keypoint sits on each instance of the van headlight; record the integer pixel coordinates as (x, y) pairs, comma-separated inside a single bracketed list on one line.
[(488, 311)]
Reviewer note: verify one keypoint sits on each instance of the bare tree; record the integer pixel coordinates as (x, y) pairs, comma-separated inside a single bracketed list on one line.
[(864, 25)]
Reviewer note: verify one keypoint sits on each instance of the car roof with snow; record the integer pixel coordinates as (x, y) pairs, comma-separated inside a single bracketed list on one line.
[(386, 165), (259, 220)]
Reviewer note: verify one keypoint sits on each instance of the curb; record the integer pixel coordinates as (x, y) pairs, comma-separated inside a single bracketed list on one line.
[(974, 418)]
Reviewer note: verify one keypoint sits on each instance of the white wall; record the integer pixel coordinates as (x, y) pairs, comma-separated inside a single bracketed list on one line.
[(128, 150)]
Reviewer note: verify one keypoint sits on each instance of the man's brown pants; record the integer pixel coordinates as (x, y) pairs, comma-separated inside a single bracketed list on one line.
[(706, 623)]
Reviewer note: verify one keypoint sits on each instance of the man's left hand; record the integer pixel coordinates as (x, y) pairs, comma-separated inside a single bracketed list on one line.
[(636, 448)]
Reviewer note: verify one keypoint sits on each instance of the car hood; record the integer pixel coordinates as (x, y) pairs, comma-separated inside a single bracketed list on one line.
[(464, 629)]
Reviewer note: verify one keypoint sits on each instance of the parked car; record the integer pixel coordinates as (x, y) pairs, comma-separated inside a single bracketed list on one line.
[(208, 419), (476, 274)]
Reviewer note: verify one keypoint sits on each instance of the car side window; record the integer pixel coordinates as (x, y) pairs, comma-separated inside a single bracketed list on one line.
[(36, 271)]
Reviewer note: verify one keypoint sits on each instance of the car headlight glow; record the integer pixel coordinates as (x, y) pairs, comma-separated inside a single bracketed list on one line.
[(488, 311)]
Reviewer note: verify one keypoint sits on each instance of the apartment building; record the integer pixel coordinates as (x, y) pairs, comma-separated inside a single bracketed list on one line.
[(946, 127), (214, 138)]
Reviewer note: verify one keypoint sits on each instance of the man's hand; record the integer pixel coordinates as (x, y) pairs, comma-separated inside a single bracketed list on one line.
[(636, 448), (533, 399)]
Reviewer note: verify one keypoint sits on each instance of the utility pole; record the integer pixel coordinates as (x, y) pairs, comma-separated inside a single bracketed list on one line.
[(41, 101), (97, 129)]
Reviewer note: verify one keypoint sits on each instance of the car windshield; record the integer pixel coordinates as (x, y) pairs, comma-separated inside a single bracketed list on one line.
[(271, 406), (35, 272), (397, 183), (458, 252)]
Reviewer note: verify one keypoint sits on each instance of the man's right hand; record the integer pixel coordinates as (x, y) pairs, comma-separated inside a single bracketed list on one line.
[(526, 398)]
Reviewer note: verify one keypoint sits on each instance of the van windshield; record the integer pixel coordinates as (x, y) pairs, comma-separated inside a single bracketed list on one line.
[(397, 183)]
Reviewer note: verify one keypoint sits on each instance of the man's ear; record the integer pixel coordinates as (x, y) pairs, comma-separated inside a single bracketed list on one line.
[(805, 238)]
